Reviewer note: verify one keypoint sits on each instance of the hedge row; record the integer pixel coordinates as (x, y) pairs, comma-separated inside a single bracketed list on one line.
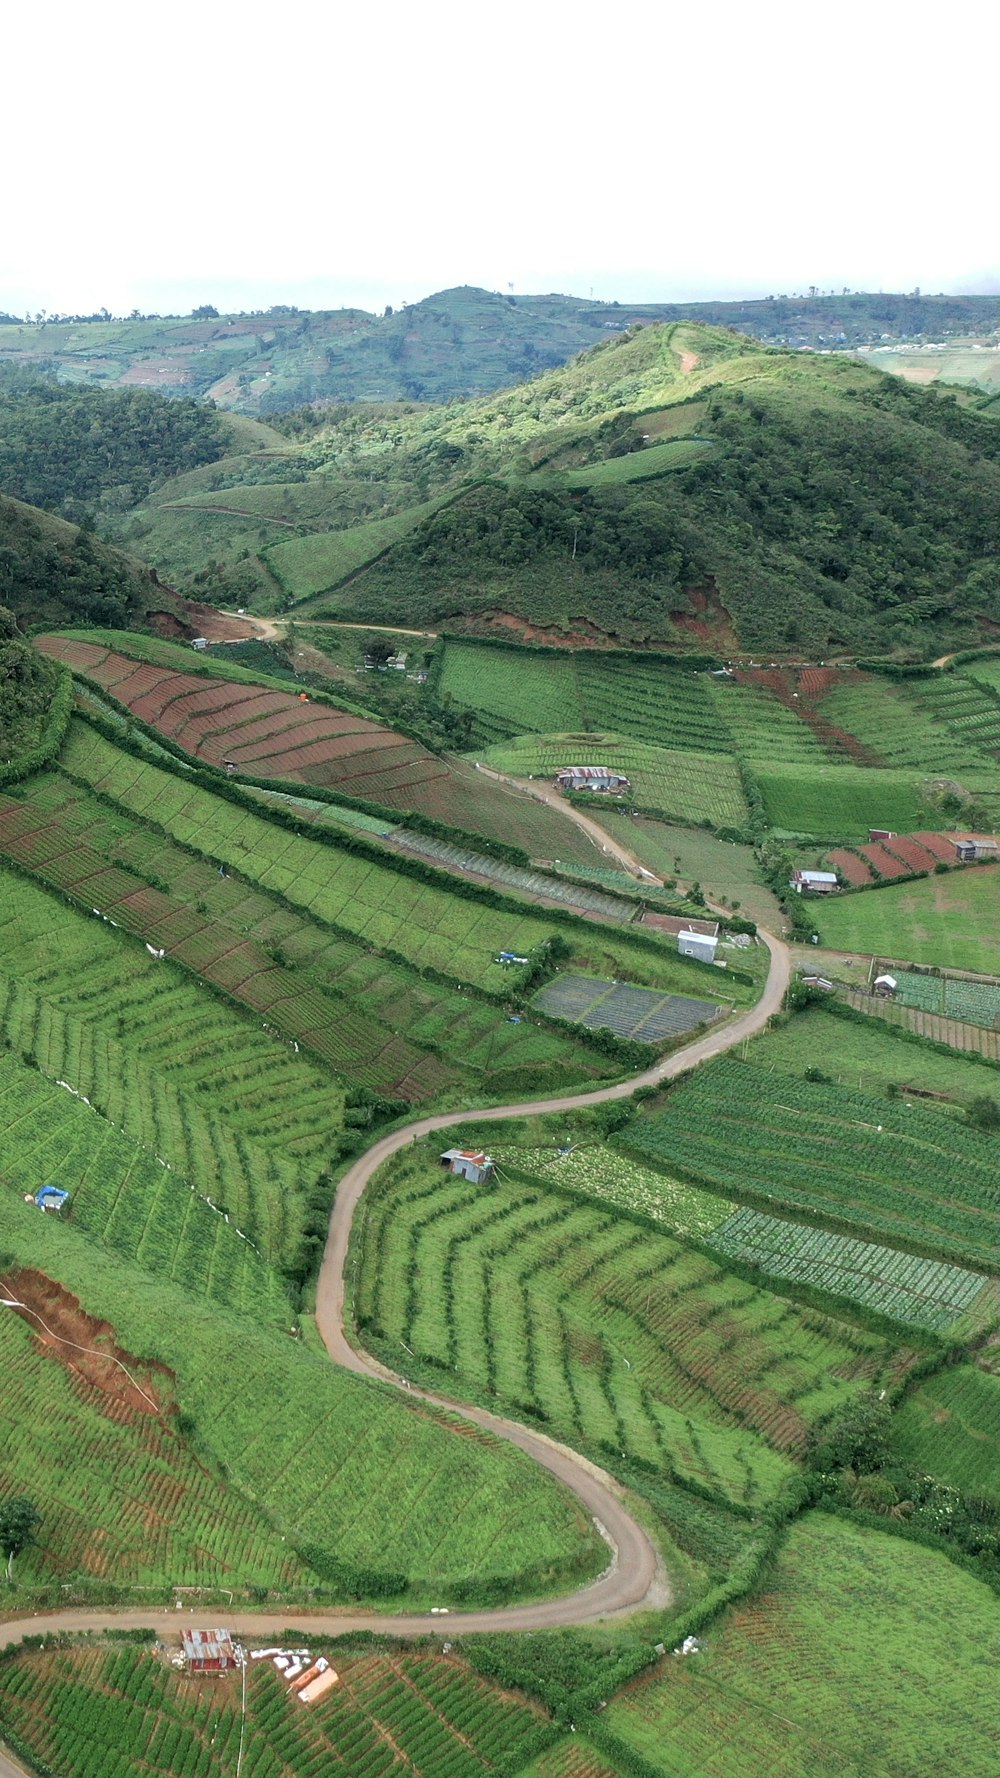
[(52, 737)]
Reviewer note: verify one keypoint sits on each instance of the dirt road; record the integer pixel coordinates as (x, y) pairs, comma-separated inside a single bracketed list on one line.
[(545, 793), (634, 1578)]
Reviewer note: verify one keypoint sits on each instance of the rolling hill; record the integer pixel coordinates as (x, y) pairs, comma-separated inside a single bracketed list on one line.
[(675, 486), (451, 345)]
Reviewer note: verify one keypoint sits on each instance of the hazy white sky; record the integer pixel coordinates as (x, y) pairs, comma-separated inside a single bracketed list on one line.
[(200, 152)]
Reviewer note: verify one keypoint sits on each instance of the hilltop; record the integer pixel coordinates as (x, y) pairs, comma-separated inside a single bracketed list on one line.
[(676, 486), (53, 572), (451, 345)]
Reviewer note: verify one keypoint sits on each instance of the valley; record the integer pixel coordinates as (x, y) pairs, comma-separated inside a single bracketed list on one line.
[(498, 971)]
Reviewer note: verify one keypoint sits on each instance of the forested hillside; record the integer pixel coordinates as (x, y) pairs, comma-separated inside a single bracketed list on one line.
[(76, 450), (53, 572)]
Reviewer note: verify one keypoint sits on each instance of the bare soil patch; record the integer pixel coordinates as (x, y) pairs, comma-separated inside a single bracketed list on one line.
[(88, 1347)]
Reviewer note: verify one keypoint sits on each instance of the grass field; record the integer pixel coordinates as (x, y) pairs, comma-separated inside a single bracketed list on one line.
[(892, 1169), (606, 1332), (388, 1714), (681, 783), (947, 1427), (948, 920), (866, 1058), (124, 1497), (373, 1491), (864, 1657), (725, 870), (838, 802)]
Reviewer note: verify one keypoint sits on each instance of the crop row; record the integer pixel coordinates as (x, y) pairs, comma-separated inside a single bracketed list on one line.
[(925, 1292), (694, 787), (894, 1169), (124, 1196), (438, 1717), (610, 1332), (603, 1172), (119, 1492), (975, 1003)]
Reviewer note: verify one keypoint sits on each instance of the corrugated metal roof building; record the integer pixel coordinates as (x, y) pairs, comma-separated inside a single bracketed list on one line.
[(208, 1651), (469, 1163)]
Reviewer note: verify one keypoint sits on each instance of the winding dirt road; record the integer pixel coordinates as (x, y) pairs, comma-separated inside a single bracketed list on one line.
[(634, 1578)]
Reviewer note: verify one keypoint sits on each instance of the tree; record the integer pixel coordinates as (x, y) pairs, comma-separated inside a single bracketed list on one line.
[(18, 1519)]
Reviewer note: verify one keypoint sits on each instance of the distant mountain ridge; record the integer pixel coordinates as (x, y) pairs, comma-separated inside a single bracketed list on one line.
[(452, 345)]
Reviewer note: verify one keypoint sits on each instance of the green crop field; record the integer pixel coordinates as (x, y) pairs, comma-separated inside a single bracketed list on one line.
[(977, 1003), (923, 1292), (864, 1657), (575, 1757), (984, 672), (123, 1495), (838, 802), (689, 786), (76, 1708), (124, 1196), (947, 1427), (513, 691), (429, 925), (948, 920), (311, 565), (899, 732), (868, 1058), (762, 727), (604, 1331), (966, 705), (890, 1168), (637, 466), (374, 1492), (229, 1105), (599, 1171)]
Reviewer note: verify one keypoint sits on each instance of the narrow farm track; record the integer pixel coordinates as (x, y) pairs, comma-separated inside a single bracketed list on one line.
[(634, 1578)]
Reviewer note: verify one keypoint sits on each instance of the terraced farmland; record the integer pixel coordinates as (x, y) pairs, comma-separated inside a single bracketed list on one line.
[(269, 732), (762, 727), (367, 897), (608, 1333), (76, 1708), (899, 732), (924, 1292), (628, 1012), (125, 1197), (831, 1672), (600, 1171), (895, 1171), (871, 1058), (679, 783), (947, 1427), (970, 709)]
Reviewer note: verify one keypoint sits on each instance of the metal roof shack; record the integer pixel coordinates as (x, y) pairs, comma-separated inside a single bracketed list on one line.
[(469, 1163), (592, 778), (208, 1651), (814, 882), (975, 845), (701, 945)]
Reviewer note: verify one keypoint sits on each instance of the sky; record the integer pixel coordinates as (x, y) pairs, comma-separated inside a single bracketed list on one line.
[(157, 158)]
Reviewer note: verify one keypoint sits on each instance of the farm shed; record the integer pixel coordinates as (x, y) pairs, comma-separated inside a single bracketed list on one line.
[(469, 1163), (592, 778), (208, 1651), (975, 846), (814, 882), (200, 642), (885, 986), (697, 944)]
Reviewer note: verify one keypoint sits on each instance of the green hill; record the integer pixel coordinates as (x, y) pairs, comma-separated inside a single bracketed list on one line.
[(453, 344), (54, 572)]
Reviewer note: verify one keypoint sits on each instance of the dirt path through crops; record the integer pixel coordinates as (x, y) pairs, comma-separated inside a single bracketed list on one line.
[(634, 1578)]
